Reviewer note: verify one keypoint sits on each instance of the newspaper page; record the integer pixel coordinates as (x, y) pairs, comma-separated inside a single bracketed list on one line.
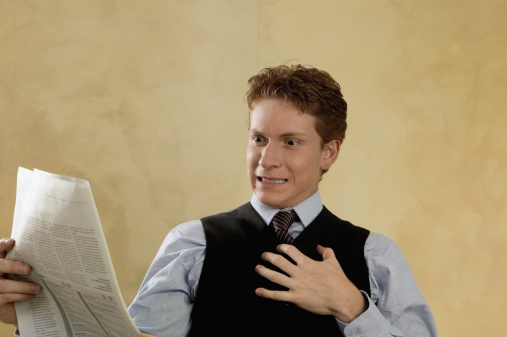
[(58, 232)]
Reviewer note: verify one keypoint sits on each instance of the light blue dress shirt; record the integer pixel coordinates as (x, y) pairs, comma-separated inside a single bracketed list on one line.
[(164, 302)]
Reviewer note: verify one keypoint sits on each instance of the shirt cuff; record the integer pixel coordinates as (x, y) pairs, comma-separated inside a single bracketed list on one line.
[(370, 323)]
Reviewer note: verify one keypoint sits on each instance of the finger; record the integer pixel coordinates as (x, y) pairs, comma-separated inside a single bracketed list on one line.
[(276, 295), (18, 287), (273, 276), (279, 261), (14, 267), (294, 253), (15, 297), (5, 246)]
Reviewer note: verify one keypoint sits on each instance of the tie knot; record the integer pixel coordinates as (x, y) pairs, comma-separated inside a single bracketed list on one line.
[(281, 223)]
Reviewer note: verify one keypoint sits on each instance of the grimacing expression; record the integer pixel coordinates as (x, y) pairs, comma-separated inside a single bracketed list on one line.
[(285, 154)]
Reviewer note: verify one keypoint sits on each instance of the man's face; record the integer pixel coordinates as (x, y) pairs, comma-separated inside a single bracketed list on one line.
[(284, 154)]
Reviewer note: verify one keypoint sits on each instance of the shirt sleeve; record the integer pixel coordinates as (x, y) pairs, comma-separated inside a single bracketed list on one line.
[(396, 307), (165, 299)]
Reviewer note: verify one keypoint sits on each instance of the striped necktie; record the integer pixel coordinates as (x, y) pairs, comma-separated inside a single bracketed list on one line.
[(281, 223)]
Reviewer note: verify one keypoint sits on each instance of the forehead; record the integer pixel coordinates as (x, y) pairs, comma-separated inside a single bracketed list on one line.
[(275, 114)]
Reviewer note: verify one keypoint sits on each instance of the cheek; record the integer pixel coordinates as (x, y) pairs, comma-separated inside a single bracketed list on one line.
[(307, 168), (251, 167), (251, 160), (252, 154)]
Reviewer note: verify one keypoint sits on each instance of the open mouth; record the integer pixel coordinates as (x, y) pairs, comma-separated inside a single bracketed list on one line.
[(272, 181)]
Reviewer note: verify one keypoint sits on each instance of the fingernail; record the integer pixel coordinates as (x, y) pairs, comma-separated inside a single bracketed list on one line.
[(23, 268)]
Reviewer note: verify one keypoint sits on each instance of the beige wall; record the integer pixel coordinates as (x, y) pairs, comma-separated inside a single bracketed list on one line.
[(145, 100)]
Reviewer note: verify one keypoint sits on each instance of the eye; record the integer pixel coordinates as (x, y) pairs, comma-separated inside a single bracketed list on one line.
[(258, 139), (291, 142)]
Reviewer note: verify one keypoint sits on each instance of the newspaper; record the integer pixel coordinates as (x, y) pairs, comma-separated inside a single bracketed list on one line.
[(58, 232)]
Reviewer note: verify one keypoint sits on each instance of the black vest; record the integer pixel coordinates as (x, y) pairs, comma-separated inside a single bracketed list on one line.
[(226, 304)]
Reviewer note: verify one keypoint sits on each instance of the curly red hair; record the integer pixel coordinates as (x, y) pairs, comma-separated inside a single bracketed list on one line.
[(310, 90)]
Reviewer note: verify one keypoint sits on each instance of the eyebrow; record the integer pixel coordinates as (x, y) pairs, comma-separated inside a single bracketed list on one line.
[(293, 134), (283, 135)]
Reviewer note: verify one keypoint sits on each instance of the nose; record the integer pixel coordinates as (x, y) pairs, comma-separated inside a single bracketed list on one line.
[(270, 156)]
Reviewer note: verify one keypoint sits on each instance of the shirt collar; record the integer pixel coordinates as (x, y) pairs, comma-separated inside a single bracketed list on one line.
[(307, 210)]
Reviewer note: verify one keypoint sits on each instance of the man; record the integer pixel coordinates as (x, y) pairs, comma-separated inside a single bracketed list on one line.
[(282, 264), (226, 275)]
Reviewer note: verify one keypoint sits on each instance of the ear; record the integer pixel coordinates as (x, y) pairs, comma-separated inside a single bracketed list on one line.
[(330, 153)]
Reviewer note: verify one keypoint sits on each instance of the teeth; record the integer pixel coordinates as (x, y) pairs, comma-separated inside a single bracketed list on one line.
[(274, 181)]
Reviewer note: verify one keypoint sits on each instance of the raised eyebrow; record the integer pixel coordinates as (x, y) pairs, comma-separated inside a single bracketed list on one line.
[(283, 135), (293, 134), (255, 132)]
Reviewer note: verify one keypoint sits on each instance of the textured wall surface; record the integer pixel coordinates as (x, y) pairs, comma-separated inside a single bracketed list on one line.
[(145, 100)]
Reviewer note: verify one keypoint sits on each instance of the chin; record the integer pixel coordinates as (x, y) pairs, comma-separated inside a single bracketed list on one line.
[(272, 202)]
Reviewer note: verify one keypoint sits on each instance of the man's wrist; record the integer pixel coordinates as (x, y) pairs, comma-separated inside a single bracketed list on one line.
[(370, 323), (358, 305)]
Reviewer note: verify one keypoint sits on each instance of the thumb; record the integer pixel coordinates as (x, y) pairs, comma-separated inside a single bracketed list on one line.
[(325, 252)]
